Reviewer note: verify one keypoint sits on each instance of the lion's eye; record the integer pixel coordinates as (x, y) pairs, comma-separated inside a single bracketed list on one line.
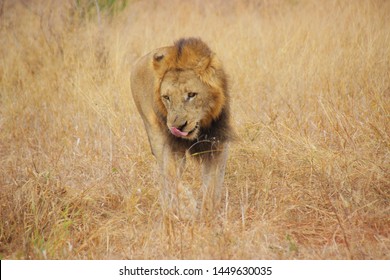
[(191, 95), (166, 97)]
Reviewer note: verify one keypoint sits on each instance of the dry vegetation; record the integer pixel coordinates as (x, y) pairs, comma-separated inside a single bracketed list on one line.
[(307, 179)]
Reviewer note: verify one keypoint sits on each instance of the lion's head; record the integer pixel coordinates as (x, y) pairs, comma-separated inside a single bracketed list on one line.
[(191, 90)]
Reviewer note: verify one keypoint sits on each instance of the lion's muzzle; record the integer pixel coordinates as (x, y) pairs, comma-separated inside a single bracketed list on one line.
[(177, 132)]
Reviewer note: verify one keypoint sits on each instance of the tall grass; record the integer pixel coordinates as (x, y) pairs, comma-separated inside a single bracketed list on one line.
[(308, 178)]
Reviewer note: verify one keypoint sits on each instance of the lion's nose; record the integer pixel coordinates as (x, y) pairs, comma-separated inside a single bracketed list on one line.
[(182, 126)]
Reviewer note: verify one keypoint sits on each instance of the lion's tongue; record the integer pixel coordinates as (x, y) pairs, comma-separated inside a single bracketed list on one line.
[(178, 132)]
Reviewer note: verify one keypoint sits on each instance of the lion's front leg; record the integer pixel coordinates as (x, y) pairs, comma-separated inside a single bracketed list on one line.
[(213, 173), (176, 199)]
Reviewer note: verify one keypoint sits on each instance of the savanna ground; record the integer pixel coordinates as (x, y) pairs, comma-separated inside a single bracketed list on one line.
[(308, 177)]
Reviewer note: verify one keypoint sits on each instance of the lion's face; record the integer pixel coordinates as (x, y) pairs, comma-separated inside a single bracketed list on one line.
[(188, 102)]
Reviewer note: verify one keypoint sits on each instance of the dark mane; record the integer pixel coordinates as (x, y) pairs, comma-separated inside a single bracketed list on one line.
[(193, 53), (192, 43), (210, 139)]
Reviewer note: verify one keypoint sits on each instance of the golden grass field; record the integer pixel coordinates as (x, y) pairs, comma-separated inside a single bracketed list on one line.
[(308, 177)]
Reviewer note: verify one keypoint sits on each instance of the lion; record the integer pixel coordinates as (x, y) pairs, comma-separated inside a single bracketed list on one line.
[(181, 93)]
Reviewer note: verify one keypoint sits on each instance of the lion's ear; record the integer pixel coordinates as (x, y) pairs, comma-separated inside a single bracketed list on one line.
[(193, 53), (212, 73), (204, 63), (162, 60), (158, 56)]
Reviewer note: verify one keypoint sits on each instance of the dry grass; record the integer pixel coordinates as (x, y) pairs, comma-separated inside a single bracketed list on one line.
[(308, 179)]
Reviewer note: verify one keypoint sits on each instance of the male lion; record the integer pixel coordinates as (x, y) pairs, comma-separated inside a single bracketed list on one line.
[(181, 94)]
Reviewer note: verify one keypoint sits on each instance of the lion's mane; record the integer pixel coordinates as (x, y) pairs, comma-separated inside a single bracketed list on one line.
[(194, 54)]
